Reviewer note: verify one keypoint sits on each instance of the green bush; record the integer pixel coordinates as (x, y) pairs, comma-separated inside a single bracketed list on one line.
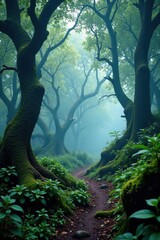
[(80, 197), (10, 221), (40, 219), (71, 162)]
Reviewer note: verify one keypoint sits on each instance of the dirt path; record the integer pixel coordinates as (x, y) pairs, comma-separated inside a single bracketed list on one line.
[(83, 218)]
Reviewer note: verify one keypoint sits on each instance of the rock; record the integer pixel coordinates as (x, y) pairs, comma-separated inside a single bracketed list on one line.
[(64, 233), (103, 186), (80, 234), (99, 179)]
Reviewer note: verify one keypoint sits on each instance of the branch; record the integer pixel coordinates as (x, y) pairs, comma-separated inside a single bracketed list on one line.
[(40, 24), (129, 27), (109, 78), (7, 68), (32, 14), (115, 10), (107, 96), (86, 79), (95, 10), (49, 50)]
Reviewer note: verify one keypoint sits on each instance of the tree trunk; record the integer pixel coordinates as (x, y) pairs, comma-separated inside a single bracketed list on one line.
[(15, 148), (142, 117)]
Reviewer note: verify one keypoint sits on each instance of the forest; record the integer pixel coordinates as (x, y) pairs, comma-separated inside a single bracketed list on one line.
[(80, 119)]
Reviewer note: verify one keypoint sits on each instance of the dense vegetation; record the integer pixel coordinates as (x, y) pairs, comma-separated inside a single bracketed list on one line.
[(48, 82), (36, 213)]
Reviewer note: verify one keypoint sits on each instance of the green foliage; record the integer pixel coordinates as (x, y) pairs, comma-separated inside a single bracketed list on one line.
[(151, 149), (10, 221), (42, 224), (80, 184), (115, 134), (7, 179), (6, 173), (38, 195), (40, 217), (20, 192), (80, 197), (146, 231), (129, 180), (71, 162)]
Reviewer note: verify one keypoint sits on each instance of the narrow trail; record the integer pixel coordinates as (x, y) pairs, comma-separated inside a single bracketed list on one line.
[(83, 217)]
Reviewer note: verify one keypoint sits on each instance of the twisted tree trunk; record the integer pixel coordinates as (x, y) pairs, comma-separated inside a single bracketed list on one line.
[(15, 148)]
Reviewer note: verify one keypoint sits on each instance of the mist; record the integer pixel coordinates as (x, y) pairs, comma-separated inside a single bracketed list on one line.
[(96, 134)]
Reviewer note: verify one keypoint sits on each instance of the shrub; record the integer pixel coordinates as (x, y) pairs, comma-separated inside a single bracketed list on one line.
[(80, 197), (10, 221)]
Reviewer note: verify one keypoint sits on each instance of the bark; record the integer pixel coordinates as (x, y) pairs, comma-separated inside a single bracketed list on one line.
[(142, 107)]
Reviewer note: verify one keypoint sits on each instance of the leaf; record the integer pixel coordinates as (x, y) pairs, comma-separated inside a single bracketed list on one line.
[(152, 202), (16, 208), (16, 218), (155, 236), (43, 201), (16, 232), (140, 152), (125, 236), (158, 219), (143, 214), (2, 215), (139, 146), (22, 200), (140, 230)]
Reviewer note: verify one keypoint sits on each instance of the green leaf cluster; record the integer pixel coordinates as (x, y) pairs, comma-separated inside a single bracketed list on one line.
[(10, 221), (80, 197), (146, 231)]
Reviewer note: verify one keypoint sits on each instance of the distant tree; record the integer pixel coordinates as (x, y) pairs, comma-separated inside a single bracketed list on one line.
[(54, 142), (9, 88), (99, 19)]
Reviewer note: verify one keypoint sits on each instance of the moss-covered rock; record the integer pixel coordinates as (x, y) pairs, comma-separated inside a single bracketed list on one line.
[(104, 214), (143, 187), (122, 160)]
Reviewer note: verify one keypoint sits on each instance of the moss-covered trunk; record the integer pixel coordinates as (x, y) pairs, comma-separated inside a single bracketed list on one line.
[(15, 148)]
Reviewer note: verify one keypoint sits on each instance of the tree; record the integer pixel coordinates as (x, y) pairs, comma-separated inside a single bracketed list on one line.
[(9, 89), (54, 143), (102, 15), (141, 116), (15, 148)]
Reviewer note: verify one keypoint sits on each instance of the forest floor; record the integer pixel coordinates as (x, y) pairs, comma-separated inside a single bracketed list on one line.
[(83, 217)]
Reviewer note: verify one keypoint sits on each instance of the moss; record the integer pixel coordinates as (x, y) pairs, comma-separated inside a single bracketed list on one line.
[(122, 160), (144, 186), (104, 214)]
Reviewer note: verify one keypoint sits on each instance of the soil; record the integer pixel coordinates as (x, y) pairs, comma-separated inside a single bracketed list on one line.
[(83, 217)]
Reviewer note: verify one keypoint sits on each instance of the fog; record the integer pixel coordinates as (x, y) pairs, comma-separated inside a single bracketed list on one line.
[(96, 135)]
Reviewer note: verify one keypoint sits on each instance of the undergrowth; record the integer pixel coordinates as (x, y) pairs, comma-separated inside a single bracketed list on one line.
[(71, 162), (36, 213), (147, 152)]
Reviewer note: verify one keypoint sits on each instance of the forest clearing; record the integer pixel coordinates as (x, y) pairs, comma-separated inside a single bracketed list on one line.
[(80, 119)]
